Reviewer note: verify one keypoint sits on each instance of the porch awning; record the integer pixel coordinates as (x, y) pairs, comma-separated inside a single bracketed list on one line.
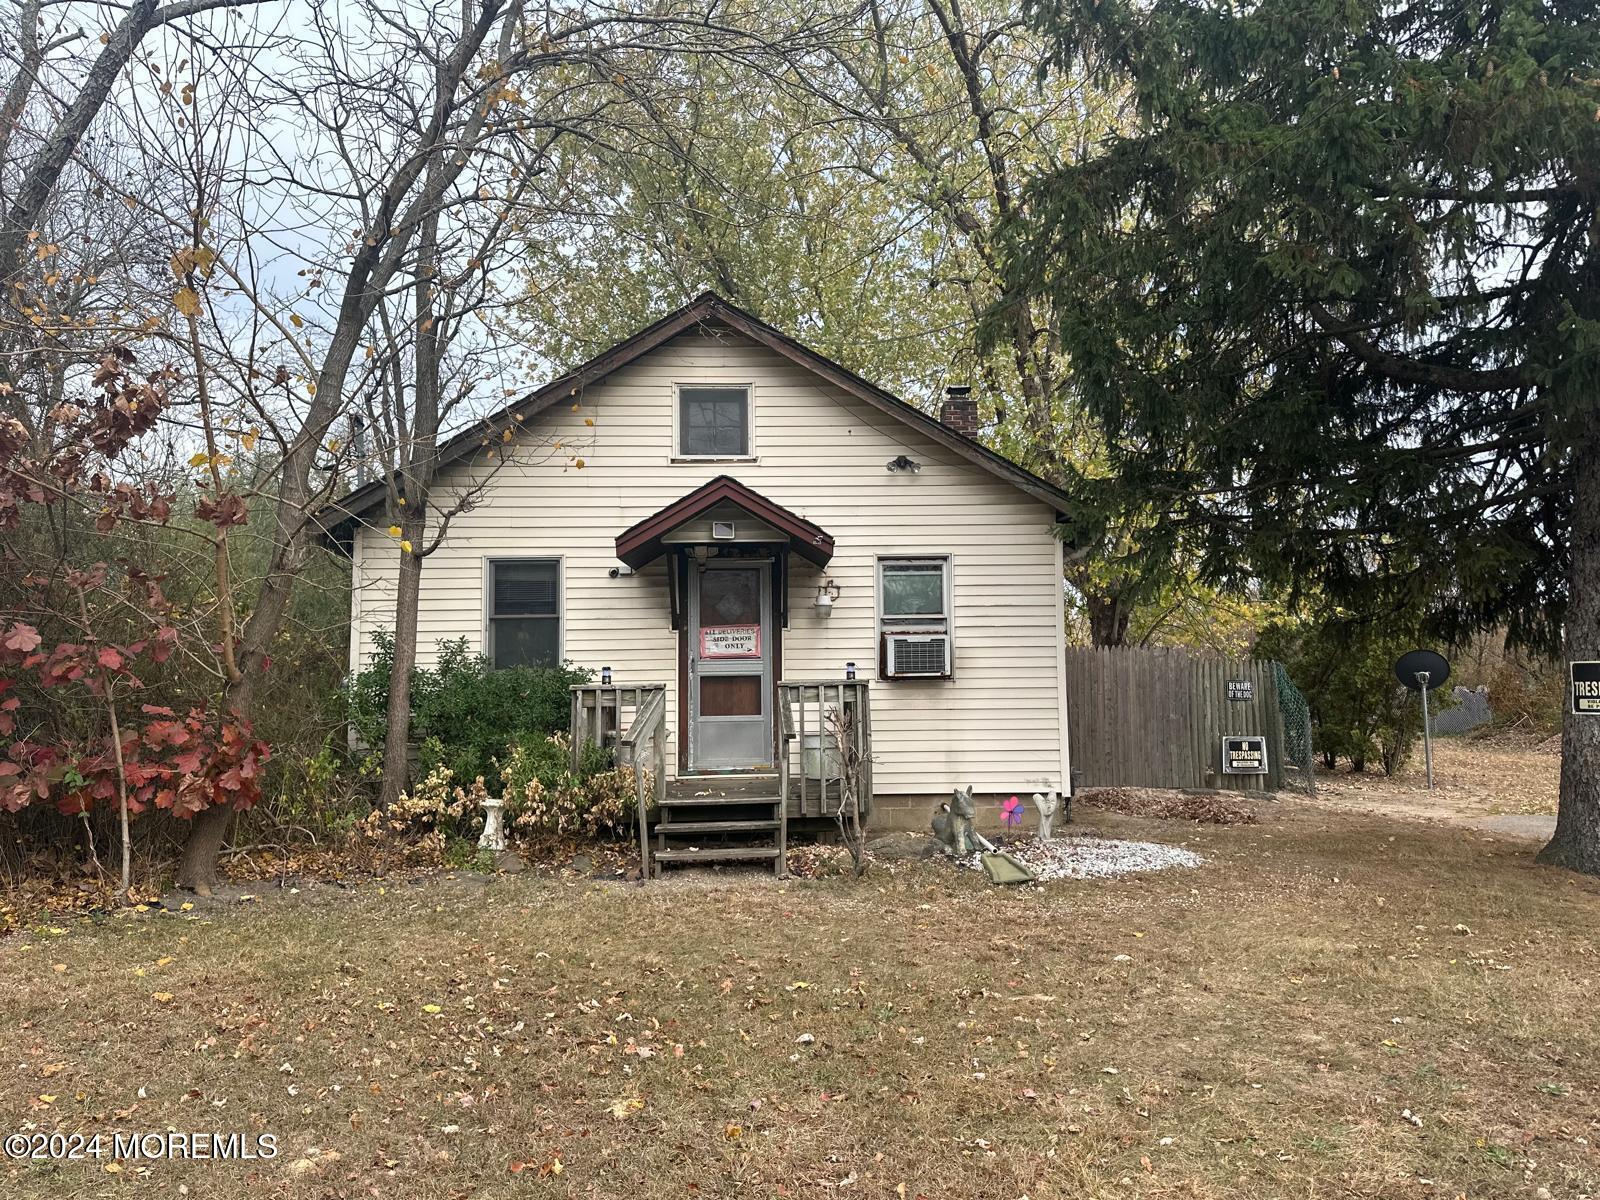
[(724, 498)]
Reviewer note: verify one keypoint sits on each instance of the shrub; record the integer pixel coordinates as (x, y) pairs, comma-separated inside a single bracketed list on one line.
[(418, 830), (323, 794), (464, 713), (1345, 667), (543, 797), (1528, 695)]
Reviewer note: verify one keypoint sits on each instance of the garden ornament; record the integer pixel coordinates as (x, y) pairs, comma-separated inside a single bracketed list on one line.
[(493, 837), (952, 824), (1047, 803)]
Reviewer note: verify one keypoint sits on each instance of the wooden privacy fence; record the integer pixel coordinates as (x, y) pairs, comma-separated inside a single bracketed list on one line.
[(1156, 717)]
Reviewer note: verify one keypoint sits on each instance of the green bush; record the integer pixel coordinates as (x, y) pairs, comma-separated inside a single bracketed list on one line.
[(1345, 667), (464, 713)]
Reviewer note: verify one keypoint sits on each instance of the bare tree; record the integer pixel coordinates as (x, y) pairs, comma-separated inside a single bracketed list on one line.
[(970, 139), (371, 148), (32, 168), (597, 83), (305, 183)]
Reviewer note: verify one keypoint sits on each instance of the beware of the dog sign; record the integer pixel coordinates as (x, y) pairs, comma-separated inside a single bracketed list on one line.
[(1586, 688), (1244, 755)]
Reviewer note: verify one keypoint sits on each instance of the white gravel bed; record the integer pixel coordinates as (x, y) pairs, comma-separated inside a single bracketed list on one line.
[(1090, 858)]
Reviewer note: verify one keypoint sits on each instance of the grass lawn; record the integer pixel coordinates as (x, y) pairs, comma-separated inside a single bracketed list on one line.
[(1253, 1028)]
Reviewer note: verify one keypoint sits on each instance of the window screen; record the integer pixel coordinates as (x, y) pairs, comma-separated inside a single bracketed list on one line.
[(525, 613), (714, 422)]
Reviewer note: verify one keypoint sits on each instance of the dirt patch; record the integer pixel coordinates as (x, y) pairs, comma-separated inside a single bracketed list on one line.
[(1479, 782)]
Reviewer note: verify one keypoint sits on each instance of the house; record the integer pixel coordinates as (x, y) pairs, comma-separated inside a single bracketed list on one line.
[(746, 537)]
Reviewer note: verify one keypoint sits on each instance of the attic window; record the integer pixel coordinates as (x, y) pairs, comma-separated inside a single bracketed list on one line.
[(713, 422)]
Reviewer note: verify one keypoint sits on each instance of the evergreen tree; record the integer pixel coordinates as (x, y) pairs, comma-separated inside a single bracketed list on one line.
[(1334, 301)]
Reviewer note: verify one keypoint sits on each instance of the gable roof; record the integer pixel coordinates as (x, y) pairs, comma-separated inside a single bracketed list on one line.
[(708, 308), (642, 543)]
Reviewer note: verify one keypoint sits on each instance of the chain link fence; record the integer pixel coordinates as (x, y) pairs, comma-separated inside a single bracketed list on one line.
[(1295, 713)]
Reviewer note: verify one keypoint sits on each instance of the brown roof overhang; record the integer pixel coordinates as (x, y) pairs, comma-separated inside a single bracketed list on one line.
[(643, 543)]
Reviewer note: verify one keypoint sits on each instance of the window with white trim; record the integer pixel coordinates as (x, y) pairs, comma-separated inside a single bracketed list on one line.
[(713, 421), (524, 612), (914, 617)]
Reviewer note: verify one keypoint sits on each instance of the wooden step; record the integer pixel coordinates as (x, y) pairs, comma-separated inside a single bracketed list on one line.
[(719, 854), (671, 828), (704, 786), (717, 801)]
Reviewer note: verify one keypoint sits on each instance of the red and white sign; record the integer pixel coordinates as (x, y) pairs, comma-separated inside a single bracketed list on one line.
[(730, 641)]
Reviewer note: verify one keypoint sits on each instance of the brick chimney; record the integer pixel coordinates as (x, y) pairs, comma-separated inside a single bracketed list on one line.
[(959, 410)]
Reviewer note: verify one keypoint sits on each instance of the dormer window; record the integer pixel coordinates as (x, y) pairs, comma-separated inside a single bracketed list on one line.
[(713, 421)]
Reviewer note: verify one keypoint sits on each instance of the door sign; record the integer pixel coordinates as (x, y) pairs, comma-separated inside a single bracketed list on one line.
[(730, 641)]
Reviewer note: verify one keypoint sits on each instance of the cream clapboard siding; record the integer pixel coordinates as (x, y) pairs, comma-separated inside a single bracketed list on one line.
[(999, 725)]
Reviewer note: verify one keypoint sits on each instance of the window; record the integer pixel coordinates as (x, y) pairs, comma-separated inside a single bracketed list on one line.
[(915, 593), (713, 422), (914, 618), (525, 613)]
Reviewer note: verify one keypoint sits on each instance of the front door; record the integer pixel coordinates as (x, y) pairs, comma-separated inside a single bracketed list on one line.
[(730, 665)]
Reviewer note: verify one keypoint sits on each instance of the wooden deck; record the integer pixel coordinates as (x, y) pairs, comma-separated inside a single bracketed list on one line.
[(821, 797), (724, 788), (824, 734)]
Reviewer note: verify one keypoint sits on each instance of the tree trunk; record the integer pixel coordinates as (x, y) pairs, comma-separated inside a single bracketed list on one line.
[(397, 728), (1109, 614), (414, 457), (1576, 843), (39, 181), (197, 872)]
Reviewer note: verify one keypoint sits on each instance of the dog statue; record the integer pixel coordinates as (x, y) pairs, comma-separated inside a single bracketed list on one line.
[(952, 824)]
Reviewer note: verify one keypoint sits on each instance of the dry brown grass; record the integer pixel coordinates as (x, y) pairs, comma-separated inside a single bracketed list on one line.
[(1473, 777), (1276, 1011)]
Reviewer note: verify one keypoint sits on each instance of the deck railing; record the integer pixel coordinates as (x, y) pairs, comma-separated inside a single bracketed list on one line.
[(814, 715), (632, 723)]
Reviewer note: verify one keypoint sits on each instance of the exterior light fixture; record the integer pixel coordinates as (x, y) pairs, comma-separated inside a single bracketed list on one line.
[(850, 671), (826, 595), (903, 463), (605, 676)]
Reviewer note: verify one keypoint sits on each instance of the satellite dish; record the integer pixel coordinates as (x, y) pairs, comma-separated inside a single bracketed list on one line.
[(1416, 662)]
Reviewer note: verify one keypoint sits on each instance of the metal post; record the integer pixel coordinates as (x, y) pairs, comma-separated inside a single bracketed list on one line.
[(1427, 729)]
